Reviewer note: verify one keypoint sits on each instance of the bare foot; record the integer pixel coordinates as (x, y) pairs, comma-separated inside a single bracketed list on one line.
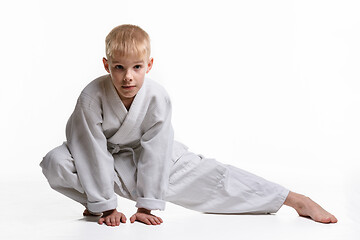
[(306, 207)]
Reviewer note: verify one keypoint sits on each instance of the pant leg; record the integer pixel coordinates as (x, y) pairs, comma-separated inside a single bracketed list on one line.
[(59, 169), (206, 185)]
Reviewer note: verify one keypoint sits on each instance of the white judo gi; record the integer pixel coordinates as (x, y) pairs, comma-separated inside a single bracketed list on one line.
[(110, 150)]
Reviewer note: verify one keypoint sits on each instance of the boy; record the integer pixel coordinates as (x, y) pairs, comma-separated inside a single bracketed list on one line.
[(120, 140)]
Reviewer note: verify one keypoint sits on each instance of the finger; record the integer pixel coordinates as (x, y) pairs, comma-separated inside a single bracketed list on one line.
[(101, 221), (157, 220), (107, 221), (117, 220), (153, 221), (133, 218), (123, 218), (113, 221), (146, 221)]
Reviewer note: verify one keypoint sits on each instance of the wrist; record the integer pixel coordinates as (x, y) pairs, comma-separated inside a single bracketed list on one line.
[(107, 212), (144, 210)]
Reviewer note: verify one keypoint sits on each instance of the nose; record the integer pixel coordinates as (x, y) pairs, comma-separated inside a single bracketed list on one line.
[(128, 76)]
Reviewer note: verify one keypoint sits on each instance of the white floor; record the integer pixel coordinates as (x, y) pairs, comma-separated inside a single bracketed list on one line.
[(31, 210)]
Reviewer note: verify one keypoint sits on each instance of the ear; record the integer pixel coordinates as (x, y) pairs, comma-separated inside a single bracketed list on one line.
[(149, 65), (106, 65)]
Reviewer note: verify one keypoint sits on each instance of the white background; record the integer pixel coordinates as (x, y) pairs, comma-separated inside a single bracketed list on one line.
[(269, 86)]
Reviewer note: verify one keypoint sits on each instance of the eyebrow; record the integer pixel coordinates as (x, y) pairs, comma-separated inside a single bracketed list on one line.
[(139, 62)]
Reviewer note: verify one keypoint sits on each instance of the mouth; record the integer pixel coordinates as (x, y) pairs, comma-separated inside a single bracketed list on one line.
[(128, 87)]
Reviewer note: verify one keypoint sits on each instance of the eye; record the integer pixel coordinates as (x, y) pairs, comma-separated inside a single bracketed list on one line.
[(137, 66), (119, 67)]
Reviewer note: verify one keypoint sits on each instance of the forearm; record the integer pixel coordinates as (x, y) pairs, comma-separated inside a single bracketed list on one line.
[(94, 164)]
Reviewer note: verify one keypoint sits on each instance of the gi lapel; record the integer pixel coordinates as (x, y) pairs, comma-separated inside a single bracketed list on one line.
[(115, 101), (132, 117)]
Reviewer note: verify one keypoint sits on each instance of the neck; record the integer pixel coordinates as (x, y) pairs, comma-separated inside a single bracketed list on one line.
[(127, 102)]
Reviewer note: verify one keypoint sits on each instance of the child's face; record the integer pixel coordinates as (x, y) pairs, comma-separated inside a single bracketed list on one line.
[(127, 74)]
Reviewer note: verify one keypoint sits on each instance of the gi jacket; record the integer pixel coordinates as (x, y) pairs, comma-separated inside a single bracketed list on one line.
[(109, 143)]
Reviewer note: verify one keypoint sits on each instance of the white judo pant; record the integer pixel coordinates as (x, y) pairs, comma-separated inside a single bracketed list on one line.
[(195, 183)]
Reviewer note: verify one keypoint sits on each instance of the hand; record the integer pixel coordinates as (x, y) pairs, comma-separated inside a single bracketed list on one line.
[(112, 218), (143, 215)]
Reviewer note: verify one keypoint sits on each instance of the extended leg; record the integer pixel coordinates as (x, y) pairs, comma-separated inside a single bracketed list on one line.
[(206, 185)]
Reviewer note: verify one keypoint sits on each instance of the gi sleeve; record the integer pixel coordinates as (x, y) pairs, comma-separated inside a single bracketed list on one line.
[(94, 163), (155, 159)]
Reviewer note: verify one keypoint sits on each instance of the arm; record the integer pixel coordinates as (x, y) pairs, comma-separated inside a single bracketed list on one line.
[(154, 164), (94, 164), (155, 160)]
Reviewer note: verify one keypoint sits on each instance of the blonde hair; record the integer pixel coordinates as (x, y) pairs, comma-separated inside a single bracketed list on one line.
[(128, 40)]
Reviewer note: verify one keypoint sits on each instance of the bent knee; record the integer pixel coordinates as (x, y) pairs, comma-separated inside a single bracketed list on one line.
[(56, 162), (55, 157)]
